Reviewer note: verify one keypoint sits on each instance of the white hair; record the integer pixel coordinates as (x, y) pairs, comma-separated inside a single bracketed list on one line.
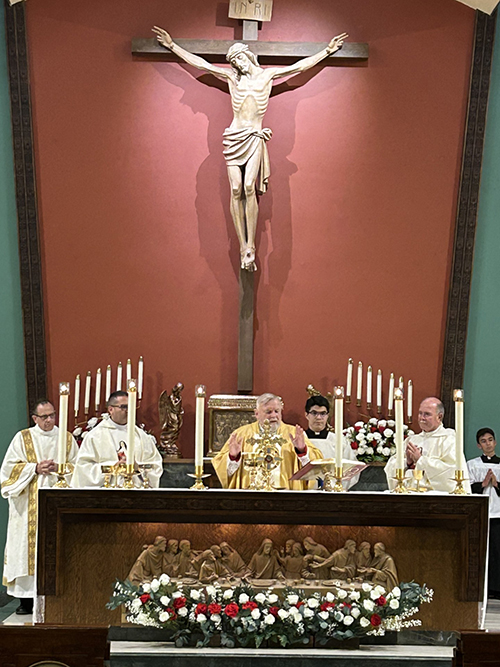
[(264, 399)]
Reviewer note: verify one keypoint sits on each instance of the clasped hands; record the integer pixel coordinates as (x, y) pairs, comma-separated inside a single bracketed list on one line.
[(413, 453), (490, 479), (45, 467), (236, 443)]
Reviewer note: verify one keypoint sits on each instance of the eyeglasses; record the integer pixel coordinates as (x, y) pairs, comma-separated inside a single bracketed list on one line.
[(120, 407), (46, 417), (318, 414)]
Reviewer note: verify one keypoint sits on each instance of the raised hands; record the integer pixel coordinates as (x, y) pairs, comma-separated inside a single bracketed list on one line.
[(163, 37)]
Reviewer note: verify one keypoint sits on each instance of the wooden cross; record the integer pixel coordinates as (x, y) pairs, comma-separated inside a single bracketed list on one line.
[(277, 53)]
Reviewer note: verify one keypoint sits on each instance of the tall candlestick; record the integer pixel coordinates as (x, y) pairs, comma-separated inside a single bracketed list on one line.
[(399, 437), (62, 435), (108, 382), (409, 401), (401, 383), (390, 399), (86, 403), (140, 377), (359, 385), (369, 386), (338, 392), (458, 397), (129, 370), (97, 390), (119, 372), (379, 391), (131, 411), (349, 381), (200, 418), (77, 395)]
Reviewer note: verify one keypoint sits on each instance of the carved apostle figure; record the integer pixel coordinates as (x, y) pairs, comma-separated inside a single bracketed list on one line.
[(232, 561), (184, 560), (382, 569), (264, 563), (149, 565), (293, 564), (363, 557), (315, 553), (170, 558), (341, 563), (245, 139)]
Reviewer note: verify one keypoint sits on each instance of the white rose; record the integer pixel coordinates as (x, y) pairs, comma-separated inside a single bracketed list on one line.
[(211, 591), (165, 600), (243, 598), (196, 595), (348, 620), (380, 590), (364, 622), (164, 579), (183, 611), (201, 618), (155, 585), (373, 421), (366, 586), (382, 423), (312, 603), (255, 614), (297, 617), (136, 604), (377, 436), (330, 597), (215, 618), (370, 437), (164, 616), (177, 594), (228, 594), (410, 432), (260, 598), (146, 587), (396, 592), (380, 449), (355, 612), (374, 595), (394, 604), (386, 451), (292, 599), (273, 598), (269, 619), (368, 605), (388, 432), (282, 613), (361, 424), (92, 422), (324, 615), (308, 613), (77, 431), (360, 437), (341, 594), (354, 595)]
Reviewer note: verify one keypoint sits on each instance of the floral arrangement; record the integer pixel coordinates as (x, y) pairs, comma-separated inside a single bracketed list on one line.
[(375, 439), (243, 617), (80, 431)]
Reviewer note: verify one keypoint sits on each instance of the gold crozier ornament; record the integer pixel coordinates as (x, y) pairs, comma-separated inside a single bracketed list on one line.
[(267, 457)]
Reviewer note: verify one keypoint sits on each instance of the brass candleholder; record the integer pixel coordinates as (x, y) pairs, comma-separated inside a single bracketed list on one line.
[(379, 409), (390, 413), (128, 482), (400, 482), (143, 468), (62, 471), (369, 407), (332, 479), (250, 462), (459, 480), (198, 476), (108, 472)]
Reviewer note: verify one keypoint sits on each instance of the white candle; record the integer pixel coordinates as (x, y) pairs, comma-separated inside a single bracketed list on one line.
[(129, 370), (369, 385), (119, 377), (131, 411), (200, 418), (97, 390), (77, 395), (458, 397), (88, 381), (401, 383), (399, 438), (390, 400), (108, 382), (338, 392), (409, 401), (62, 435), (140, 377), (349, 378), (379, 389), (359, 386)]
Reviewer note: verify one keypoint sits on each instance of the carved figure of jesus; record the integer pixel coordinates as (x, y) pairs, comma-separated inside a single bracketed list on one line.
[(244, 141)]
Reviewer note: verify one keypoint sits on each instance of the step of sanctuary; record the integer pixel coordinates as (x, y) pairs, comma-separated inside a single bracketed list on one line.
[(158, 654)]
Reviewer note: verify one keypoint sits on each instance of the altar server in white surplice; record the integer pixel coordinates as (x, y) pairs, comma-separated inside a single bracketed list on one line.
[(29, 464), (106, 444), (432, 450)]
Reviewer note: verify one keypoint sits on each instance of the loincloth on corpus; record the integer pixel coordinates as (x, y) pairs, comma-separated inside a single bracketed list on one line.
[(241, 145)]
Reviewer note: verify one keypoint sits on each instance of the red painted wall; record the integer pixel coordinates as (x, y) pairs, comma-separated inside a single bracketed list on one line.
[(355, 232)]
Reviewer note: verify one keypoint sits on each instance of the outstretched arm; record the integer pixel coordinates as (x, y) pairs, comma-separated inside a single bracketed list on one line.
[(200, 63), (310, 61)]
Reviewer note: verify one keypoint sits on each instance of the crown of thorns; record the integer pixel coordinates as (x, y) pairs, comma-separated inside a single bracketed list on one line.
[(236, 49)]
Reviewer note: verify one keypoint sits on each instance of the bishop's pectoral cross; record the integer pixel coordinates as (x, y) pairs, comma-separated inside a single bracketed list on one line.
[(245, 140)]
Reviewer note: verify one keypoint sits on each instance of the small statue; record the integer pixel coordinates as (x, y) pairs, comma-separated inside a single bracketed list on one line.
[(293, 563), (382, 569), (342, 563), (265, 563), (170, 558), (149, 565), (171, 419), (314, 553), (232, 561)]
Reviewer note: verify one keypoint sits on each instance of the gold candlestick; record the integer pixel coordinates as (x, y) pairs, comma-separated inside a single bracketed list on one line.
[(62, 471), (332, 478), (400, 482), (128, 482), (459, 484), (369, 407), (199, 477)]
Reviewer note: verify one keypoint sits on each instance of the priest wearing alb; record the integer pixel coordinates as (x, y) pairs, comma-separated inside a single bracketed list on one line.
[(296, 452), (106, 445), (431, 451)]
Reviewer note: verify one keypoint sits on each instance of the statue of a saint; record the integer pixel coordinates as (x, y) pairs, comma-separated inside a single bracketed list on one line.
[(382, 569), (245, 139), (149, 565), (171, 418), (232, 561)]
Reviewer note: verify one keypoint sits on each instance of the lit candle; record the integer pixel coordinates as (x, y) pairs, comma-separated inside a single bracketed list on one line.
[(399, 438), (129, 371), (349, 379), (200, 417), (86, 404), (97, 390), (131, 410), (338, 392), (140, 377), (77, 395), (409, 401), (458, 397), (119, 377), (369, 385), (390, 400), (379, 391), (359, 386), (108, 382), (62, 435)]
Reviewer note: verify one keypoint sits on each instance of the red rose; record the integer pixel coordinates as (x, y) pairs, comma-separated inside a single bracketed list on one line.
[(375, 620), (357, 429), (214, 608), (145, 598), (250, 605), (201, 609), (231, 610), (274, 610), (373, 429), (179, 602), (327, 605), (354, 445), (381, 601), (299, 604), (172, 613)]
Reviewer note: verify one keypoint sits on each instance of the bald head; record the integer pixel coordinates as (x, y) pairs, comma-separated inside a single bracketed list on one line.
[(430, 414)]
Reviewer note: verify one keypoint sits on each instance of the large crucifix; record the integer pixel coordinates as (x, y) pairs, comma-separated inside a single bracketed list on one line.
[(245, 140)]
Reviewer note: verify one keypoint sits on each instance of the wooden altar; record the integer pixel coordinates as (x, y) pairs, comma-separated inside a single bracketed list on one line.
[(89, 538)]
